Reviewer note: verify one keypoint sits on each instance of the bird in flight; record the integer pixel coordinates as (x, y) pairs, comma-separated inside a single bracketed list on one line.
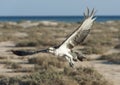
[(66, 48)]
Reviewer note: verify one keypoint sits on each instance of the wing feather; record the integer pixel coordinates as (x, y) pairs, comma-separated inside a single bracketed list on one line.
[(25, 53), (81, 32)]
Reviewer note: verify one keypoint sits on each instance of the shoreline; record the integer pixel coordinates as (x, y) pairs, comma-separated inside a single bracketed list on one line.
[(69, 19)]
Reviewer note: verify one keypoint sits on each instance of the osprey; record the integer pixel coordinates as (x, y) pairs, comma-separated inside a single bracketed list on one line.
[(66, 48)]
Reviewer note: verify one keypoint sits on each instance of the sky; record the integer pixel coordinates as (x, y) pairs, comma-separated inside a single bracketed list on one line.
[(57, 7)]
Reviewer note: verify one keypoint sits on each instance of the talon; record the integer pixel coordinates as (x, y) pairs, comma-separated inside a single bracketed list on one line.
[(71, 64), (75, 59), (81, 58)]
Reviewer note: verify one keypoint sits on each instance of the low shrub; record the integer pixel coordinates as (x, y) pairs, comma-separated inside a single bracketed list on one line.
[(69, 76)]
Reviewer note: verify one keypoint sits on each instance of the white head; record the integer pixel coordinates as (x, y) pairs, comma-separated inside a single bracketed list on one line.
[(51, 50)]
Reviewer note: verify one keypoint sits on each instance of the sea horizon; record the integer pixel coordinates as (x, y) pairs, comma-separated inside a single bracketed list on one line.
[(100, 18)]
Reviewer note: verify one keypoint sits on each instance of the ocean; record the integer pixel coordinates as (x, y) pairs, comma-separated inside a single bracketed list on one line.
[(55, 18)]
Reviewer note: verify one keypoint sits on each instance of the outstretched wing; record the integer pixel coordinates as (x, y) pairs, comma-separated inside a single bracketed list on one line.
[(81, 32), (25, 53)]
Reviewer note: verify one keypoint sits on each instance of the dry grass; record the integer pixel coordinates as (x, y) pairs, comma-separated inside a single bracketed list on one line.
[(82, 76), (47, 61), (12, 65), (101, 38), (50, 70), (114, 58)]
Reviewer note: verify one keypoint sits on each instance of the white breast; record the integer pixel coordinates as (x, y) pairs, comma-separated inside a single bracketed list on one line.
[(62, 51)]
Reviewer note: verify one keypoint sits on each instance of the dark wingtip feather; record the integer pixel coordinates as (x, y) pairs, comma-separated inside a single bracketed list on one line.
[(20, 52)]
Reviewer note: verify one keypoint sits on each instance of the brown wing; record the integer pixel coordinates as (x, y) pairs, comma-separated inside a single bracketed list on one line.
[(81, 32)]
